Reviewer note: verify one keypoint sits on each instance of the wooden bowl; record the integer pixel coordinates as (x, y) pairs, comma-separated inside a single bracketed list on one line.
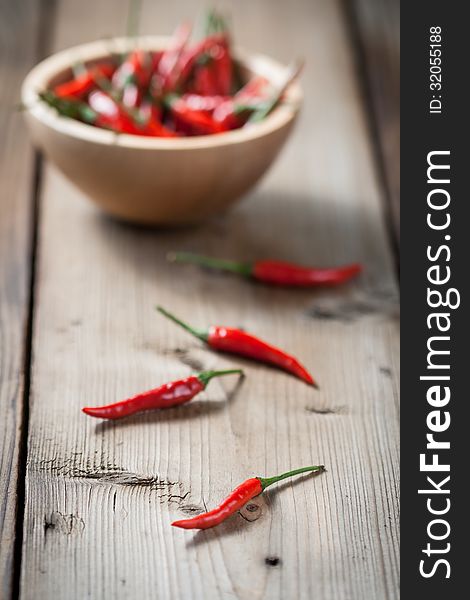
[(155, 180)]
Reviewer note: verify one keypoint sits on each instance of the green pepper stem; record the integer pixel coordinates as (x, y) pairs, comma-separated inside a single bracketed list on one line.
[(213, 263), (268, 106), (206, 376), (267, 481), (73, 109), (214, 23), (169, 99), (201, 335)]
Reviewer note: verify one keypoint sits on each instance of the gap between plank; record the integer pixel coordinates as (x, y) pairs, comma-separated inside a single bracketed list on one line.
[(358, 53), (47, 13), (27, 364)]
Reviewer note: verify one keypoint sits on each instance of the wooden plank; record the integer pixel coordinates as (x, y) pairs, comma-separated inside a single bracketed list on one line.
[(100, 497), (376, 28), (18, 41)]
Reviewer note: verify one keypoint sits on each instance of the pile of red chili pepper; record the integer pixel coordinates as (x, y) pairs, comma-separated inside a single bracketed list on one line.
[(190, 88)]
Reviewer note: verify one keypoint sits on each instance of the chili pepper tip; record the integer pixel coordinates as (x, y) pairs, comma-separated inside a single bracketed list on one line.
[(91, 411), (307, 377)]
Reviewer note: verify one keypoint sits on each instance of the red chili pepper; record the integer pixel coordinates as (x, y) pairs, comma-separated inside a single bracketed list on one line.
[(234, 112), (165, 396), (203, 103), (76, 88), (235, 341), (124, 73), (151, 116), (224, 67), (213, 71), (229, 115), (275, 272), (205, 80), (154, 128), (189, 58), (110, 114), (281, 273), (132, 77), (237, 499), (81, 85), (198, 121)]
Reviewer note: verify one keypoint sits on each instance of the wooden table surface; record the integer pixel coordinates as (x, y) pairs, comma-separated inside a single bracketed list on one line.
[(85, 507)]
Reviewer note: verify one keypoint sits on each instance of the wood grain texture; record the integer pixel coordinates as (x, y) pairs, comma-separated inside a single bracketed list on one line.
[(100, 497), (18, 39), (377, 27)]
